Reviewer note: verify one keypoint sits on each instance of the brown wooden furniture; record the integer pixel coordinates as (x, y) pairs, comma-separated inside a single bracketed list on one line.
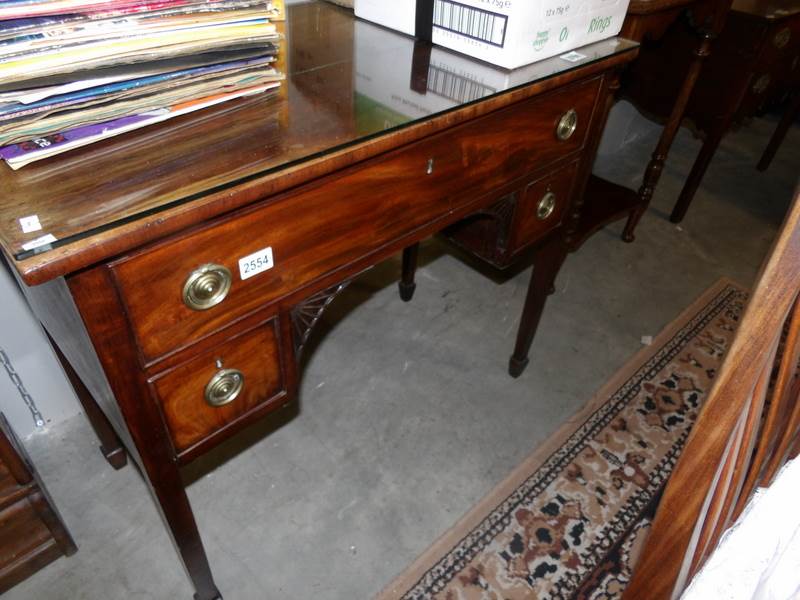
[(747, 429), (147, 289), (661, 87), (32, 534), (755, 64)]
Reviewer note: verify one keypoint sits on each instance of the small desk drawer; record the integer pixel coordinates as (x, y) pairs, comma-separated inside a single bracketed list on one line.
[(782, 41), (212, 391), (542, 207), (330, 224), (518, 220)]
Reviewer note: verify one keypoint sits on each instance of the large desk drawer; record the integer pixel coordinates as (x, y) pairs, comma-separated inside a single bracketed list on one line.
[(334, 222)]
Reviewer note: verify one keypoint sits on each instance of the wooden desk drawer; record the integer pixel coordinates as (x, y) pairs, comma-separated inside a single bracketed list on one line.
[(251, 362), (334, 222), (542, 207), (518, 220), (783, 40)]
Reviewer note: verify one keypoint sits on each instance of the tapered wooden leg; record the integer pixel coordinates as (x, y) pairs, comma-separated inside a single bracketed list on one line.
[(777, 138), (656, 165), (168, 489), (407, 285), (110, 444), (92, 292), (698, 172), (546, 264)]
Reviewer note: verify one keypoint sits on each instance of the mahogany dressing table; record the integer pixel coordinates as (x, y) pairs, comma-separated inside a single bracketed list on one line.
[(181, 269)]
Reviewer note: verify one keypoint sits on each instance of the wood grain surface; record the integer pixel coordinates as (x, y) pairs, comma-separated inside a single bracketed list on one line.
[(181, 391), (111, 197), (333, 222), (746, 429)]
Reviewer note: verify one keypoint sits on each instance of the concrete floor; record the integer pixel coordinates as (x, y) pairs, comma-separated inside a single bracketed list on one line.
[(406, 416)]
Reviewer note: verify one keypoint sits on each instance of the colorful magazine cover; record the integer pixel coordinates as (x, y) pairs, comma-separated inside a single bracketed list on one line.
[(19, 155), (135, 49), (14, 110), (73, 72)]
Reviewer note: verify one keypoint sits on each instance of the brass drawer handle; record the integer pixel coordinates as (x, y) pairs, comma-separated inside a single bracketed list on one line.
[(782, 38), (224, 387), (546, 206), (567, 125), (207, 286), (761, 84)]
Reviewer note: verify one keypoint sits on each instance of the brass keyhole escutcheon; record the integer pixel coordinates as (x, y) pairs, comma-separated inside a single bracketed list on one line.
[(224, 387), (207, 286), (546, 206), (567, 125)]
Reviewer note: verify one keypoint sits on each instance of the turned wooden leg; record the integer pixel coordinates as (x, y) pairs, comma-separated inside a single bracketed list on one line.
[(110, 444), (780, 132), (656, 165), (546, 264), (698, 172), (407, 285)]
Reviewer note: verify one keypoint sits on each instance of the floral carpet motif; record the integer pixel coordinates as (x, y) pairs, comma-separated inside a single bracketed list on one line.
[(569, 524)]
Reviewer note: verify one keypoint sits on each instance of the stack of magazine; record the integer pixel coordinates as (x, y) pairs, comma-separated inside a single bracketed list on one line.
[(74, 72)]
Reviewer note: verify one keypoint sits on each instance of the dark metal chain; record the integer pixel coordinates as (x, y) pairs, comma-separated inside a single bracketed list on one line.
[(17, 381)]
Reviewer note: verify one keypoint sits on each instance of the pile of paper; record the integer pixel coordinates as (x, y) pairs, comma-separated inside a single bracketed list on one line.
[(73, 72)]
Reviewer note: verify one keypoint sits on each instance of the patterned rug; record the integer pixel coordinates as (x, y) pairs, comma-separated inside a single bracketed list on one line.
[(570, 520)]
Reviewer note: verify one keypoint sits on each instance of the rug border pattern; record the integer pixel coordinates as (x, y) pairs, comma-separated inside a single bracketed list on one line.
[(439, 575)]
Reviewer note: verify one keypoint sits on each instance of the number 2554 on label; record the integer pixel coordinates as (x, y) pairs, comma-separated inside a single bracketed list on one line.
[(256, 263)]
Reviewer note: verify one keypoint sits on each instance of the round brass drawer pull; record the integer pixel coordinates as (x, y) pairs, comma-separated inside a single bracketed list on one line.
[(207, 286), (567, 125), (546, 206), (224, 387), (761, 84), (782, 38)]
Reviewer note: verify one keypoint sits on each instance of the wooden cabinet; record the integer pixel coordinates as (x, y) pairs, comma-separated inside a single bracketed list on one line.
[(32, 534)]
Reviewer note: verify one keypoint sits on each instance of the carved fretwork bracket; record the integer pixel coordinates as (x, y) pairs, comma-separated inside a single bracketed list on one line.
[(486, 233), (503, 213), (306, 314)]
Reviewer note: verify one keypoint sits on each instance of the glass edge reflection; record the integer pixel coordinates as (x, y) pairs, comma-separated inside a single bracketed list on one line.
[(630, 46)]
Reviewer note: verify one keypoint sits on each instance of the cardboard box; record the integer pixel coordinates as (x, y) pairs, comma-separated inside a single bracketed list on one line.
[(508, 33), (422, 84)]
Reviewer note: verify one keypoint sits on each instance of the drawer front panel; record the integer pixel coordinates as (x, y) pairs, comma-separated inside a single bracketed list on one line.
[(329, 224), (251, 360), (782, 41), (543, 206)]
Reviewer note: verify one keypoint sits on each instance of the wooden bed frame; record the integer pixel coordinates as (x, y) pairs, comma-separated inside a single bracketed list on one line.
[(746, 431)]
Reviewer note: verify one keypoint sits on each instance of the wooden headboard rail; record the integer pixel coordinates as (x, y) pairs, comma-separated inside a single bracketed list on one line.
[(747, 429)]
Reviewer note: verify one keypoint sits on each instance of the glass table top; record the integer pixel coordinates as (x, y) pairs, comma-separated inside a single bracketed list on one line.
[(347, 81)]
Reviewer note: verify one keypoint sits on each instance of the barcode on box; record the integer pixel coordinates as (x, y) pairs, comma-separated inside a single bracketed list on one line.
[(471, 22), (452, 86)]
